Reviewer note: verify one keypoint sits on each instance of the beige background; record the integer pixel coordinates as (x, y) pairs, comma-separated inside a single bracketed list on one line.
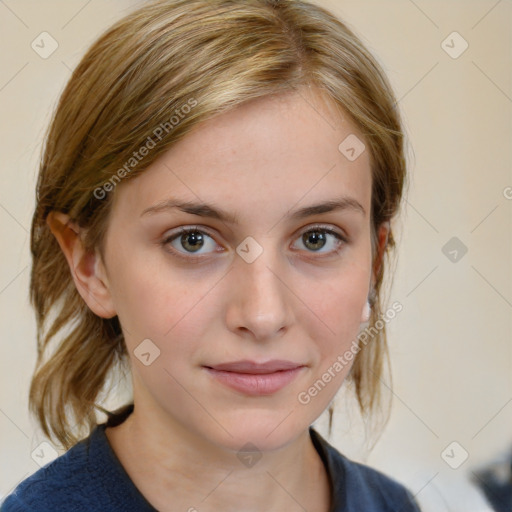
[(451, 344)]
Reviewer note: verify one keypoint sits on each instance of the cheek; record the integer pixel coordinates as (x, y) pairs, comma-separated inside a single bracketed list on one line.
[(335, 305), (154, 301), (165, 308)]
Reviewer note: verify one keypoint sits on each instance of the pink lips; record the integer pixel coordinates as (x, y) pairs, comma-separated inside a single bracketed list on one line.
[(253, 378)]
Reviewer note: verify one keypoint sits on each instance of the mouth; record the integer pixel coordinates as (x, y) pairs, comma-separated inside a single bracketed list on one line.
[(255, 379)]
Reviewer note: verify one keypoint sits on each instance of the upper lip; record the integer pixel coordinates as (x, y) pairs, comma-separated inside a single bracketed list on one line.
[(256, 368)]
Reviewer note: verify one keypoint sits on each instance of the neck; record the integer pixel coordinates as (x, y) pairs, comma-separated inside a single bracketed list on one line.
[(175, 469)]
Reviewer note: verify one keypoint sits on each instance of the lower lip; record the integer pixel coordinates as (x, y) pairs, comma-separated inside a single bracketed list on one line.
[(256, 384)]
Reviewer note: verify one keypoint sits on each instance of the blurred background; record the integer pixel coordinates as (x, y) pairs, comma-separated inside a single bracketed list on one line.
[(450, 64)]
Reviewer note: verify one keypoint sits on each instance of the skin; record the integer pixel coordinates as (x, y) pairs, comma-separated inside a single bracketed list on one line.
[(260, 161)]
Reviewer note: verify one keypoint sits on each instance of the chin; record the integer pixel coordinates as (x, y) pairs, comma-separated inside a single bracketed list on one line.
[(264, 429)]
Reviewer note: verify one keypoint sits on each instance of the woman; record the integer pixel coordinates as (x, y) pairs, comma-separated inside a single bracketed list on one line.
[(213, 210)]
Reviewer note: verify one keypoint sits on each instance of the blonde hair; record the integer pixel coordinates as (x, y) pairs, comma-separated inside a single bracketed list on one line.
[(211, 55)]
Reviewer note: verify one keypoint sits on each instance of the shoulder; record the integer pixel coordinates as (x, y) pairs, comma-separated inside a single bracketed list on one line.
[(359, 487), (61, 481), (88, 477), (376, 490)]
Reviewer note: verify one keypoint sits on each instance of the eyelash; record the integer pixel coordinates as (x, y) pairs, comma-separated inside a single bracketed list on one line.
[(341, 240)]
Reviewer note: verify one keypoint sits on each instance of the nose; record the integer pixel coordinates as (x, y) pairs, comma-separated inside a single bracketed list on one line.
[(260, 303)]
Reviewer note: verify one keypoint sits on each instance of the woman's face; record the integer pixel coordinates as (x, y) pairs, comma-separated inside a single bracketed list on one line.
[(261, 279)]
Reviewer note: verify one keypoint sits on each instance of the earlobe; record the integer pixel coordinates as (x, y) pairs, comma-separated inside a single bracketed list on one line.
[(86, 267), (365, 315)]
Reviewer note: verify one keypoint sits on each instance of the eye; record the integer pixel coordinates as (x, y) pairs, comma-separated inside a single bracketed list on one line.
[(189, 242), (191, 239), (317, 238)]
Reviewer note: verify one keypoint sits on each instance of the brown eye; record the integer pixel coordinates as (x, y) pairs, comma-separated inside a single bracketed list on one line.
[(189, 241), (192, 241), (316, 239)]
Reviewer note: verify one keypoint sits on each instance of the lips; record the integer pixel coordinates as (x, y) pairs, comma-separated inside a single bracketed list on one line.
[(251, 378), (256, 368)]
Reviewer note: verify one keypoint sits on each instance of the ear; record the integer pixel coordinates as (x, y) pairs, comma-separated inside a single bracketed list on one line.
[(382, 241), (87, 268)]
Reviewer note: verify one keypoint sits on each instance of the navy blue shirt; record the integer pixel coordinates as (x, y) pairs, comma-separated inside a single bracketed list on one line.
[(90, 478)]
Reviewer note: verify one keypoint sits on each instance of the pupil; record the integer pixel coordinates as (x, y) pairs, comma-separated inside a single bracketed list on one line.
[(315, 236), (194, 239)]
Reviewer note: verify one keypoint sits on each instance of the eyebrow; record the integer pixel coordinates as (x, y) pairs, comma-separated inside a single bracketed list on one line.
[(214, 212)]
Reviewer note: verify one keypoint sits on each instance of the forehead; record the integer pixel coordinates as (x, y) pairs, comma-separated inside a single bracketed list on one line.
[(278, 151)]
